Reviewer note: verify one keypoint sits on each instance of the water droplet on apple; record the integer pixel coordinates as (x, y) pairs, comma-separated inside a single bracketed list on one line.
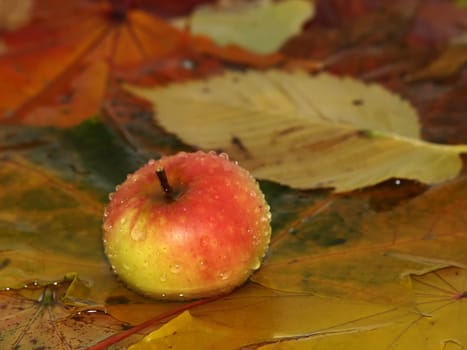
[(111, 195), (107, 226), (203, 241), (212, 153), (163, 278), (181, 295), (151, 162), (126, 267), (256, 264), (224, 275), (256, 240), (175, 268), (123, 220), (224, 155), (202, 264), (137, 234)]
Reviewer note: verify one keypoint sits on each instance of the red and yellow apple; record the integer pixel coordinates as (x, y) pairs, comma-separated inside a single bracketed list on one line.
[(187, 226)]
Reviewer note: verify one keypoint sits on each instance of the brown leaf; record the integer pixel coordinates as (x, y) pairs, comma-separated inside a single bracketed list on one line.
[(40, 320)]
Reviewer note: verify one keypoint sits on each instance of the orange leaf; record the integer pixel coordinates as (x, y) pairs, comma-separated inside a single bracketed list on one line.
[(56, 70)]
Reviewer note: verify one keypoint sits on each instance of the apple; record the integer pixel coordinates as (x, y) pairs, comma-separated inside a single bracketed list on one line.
[(187, 226)]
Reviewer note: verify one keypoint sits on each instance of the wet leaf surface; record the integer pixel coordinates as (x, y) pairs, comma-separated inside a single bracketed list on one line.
[(381, 267), (38, 319)]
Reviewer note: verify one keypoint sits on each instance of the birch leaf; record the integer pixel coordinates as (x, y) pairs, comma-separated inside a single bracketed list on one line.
[(305, 132), (261, 26)]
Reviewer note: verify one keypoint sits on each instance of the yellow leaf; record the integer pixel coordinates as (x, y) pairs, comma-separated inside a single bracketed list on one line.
[(261, 26), (302, 131), (437, 321), (254, 315), (182, 333)]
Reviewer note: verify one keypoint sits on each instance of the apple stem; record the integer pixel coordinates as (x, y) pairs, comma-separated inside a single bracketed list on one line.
[(168, 190)]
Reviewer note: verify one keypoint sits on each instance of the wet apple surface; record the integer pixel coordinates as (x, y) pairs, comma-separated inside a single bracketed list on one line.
[(203, 238)]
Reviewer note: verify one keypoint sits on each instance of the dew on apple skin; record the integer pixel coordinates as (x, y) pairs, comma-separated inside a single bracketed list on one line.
[(256, 241), (202, 264), (107, 226), (256, 264), (224, 275), (224, 155), (175, 268), (163, 278), (137, 234)]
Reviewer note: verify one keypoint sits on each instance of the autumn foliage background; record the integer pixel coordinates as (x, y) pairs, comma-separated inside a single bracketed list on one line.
[(381, 266)]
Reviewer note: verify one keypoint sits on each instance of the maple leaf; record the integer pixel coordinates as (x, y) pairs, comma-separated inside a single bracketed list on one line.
[(58, 72), (337, 246), (41, 320), (379, 268)]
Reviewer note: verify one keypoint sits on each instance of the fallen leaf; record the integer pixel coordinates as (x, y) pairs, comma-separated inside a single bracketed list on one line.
[(448, 64), (340, 246), (260, 26), (436, 22), (60, 72), (254, 316), (440, 296), (45, 322), (61, 68), (306, 132), (51, 208), (14, 14)]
